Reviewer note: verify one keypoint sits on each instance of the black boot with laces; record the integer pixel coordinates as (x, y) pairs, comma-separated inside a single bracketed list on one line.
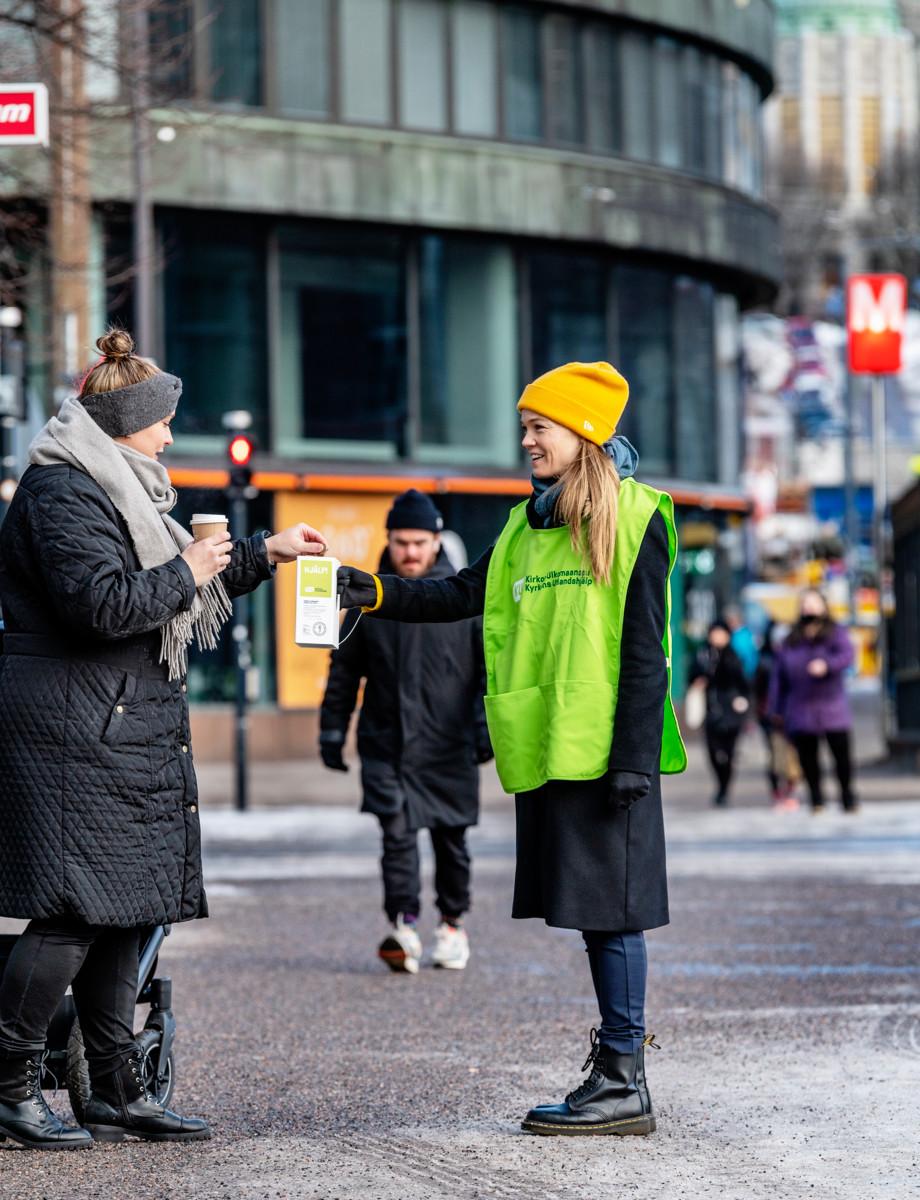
[(121, 1106), (24, 1113), (613, 1099)]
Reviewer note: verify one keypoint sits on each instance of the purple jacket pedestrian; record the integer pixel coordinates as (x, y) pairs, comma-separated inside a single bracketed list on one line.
[(806, 702)]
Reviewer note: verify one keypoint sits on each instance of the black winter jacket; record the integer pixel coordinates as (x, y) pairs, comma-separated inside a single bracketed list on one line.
[(98, 799), (422, 725)]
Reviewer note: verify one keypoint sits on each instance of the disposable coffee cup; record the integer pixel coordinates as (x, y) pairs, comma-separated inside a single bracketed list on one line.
[(206, 524)]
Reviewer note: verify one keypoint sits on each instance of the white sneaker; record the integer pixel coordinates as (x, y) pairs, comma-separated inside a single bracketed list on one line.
[(401, 949), (452, 948)]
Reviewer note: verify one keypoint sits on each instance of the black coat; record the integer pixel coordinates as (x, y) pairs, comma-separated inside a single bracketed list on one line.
[(726, 682), (98, 800), (422, 724), (582, 863)]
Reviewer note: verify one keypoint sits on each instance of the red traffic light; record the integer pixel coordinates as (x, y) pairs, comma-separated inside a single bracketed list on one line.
[(240, 450)]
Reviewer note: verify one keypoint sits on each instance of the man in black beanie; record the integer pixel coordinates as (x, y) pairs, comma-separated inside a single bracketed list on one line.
[(421, 733)]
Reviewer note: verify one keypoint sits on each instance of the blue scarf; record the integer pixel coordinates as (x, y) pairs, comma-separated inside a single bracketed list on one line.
[(621, 452)]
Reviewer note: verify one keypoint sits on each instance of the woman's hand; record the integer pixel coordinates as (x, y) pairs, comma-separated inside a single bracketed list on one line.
[(208, 557), (817, 668), (291, 543), (740, 705), (357, 589), (626, 787)]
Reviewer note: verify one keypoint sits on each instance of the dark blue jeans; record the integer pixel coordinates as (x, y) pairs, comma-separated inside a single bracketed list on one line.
[(619, 967)]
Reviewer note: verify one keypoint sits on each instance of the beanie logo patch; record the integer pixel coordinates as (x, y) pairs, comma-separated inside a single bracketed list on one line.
[(589, 427)]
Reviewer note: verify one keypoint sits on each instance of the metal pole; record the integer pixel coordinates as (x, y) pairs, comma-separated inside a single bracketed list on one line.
[(851, 516), (143, 208), (879, 505), (238, 529)]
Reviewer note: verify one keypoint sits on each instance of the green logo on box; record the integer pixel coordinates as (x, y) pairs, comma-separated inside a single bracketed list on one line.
[(316, 579)]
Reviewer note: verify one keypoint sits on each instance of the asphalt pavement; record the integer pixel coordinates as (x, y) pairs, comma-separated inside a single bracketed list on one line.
[(785, 996)]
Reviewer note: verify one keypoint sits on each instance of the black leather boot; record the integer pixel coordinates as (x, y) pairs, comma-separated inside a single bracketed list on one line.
[(24, 1113), (121, 1106), (613, 1099)]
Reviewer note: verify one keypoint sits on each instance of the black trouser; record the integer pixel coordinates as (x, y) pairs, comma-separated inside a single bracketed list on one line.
[(721, 746), (402, 881), (100, 964), (806, 745)]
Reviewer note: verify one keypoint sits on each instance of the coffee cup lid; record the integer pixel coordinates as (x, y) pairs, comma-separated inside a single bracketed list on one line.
[(207, 518)]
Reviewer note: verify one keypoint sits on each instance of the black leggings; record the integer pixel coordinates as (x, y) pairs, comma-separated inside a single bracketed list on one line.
[(99, 963), (721, 746), (838, 740)]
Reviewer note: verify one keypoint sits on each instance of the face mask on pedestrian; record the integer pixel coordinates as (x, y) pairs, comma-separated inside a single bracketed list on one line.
[(413, 552)]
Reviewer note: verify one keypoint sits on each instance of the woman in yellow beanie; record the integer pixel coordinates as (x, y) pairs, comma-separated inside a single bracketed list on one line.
[(575, 599)]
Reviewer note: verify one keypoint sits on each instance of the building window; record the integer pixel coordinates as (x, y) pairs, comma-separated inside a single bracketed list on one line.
[(522, 73), (695, 394), (474, 69), (214, 314), (831, 116), (423, 64), (342, 370), (694, 110), (871, 115), (563, 79), (236, 51), (645, 305), (364, 32), (638, 98), (568, 307), (668, 105), (712, 121), (302, 53), (468, 346), (603, 112)]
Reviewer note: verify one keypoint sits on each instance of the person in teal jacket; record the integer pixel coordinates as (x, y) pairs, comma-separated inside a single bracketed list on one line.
[(575, 601)]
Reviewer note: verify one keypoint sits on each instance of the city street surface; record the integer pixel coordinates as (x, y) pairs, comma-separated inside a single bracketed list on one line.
[(785, 996)]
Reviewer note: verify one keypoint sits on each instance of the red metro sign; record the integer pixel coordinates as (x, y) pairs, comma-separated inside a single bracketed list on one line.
[(876, 308), (23, 114)]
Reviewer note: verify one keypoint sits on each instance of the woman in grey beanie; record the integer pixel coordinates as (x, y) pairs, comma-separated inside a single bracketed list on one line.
[(102, 594)]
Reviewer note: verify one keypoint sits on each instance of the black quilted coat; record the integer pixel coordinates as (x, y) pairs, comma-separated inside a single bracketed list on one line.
[(422, 725), (98, 801)]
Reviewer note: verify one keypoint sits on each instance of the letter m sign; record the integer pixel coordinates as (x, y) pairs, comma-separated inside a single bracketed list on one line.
[(23, 114), (876, 306)]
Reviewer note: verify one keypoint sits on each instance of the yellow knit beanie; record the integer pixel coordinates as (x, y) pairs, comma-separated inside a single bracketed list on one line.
[(587, 398)]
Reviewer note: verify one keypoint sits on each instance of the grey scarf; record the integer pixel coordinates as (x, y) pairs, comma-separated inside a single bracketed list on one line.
[(139, 488), (621, 452)]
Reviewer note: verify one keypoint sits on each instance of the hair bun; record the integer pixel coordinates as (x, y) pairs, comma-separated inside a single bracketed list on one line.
[(116, 344)]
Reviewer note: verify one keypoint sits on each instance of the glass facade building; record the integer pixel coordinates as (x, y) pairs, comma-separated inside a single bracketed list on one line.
[(378, 219)]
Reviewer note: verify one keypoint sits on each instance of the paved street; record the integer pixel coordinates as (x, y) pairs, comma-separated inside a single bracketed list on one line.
[(785, 996)]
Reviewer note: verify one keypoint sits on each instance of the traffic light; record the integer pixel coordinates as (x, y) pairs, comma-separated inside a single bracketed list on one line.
[(239, 451)]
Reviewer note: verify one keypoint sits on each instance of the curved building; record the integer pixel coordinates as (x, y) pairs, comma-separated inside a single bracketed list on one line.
[(378, 218)]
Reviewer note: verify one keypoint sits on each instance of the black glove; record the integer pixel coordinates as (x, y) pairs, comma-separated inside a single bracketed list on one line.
[(356, 588), (626, 787), (484, 751), (331, 742)]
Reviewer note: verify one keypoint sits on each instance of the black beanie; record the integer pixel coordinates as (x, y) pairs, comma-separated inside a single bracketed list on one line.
[(413, 510)]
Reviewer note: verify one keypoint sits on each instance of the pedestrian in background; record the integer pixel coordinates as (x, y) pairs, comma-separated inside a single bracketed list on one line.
[(808, 696), (718, 669), (743, 641), (102, 593), (576, 605), (783, 770), (421, 733)]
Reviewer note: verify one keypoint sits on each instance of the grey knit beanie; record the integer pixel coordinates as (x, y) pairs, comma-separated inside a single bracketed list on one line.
[(129, 409)]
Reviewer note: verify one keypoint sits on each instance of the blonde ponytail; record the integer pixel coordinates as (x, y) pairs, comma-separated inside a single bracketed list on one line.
[(589, 495)]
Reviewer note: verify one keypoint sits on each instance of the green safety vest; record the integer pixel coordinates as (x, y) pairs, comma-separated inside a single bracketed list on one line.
[(552, 646)]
